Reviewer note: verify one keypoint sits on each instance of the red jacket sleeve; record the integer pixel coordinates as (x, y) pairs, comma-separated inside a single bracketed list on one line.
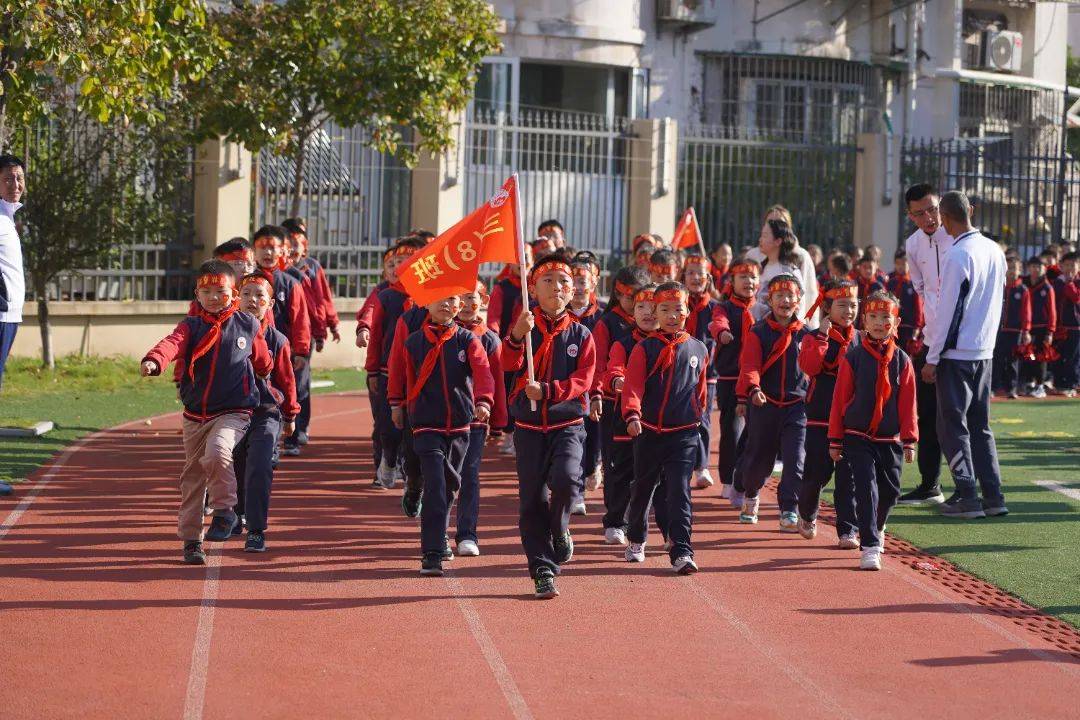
[(396, 385), (513, 354), (327, 296), (602, 344), (812, 353), (1025, 311), (171, 347), (299, 323), (483, 381), (364, 318), (495, 305), (616, 367), (316, 316), (261, 361), (499, 417), (905, 406), (374, 348), (703, 389), (720, 322), (634, 385), (580, 381), (749, 367), (842, 394), (1051, 310), (284, 380)]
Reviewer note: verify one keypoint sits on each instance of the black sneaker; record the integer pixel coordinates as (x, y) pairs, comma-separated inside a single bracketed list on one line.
[(221, 526), (953, 499), (193, 553), (970, 509), (302, 438), (922, 496), (447, 553), (256, 541), (545, 584), (239, 528), (564, 547), (411, 503), (431, 565), (291, 450), (995, 508)]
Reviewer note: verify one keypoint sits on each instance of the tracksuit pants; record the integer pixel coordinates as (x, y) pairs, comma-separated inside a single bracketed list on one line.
[(963, 388), (674, 455), (388, 435), (731, 432), (468, 504), (928, 453), (706, 428), (1034, 371), (549, 470), (208, 469), (772, 430), (303, 396), (410, 461), (1006, 366), (441, 458), (875, 467), (253, 462), (818, 469), (1067, 369), (618, 458)]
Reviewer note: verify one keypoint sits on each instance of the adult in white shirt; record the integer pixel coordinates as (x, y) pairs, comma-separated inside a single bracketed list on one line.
[(926, 249), (958, 360), (779, 257), (12, 281)]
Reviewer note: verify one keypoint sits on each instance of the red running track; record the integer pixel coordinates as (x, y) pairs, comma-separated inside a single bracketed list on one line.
[(98, 618)]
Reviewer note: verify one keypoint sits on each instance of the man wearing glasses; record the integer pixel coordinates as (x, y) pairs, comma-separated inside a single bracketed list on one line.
[(926, 248)]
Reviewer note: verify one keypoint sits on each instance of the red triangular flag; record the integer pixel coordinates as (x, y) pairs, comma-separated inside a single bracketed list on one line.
[(686, 232)]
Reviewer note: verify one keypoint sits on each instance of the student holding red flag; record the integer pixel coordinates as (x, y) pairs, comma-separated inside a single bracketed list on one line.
[(688, 233)]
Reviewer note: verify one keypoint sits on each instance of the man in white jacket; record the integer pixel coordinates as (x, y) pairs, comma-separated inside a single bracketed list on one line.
[(961, 345), (12, 282)]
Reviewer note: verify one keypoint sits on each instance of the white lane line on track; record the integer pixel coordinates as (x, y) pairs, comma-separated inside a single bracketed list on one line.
[(491, 653), (783, 664), (200, 652), (1058, 488)]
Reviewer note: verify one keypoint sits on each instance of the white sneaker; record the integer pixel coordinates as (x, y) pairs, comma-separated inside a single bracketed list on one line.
[(808, 528), (594, 481), (702, 479), (1039, 392), (748, 514), (871, 559), (615, 536), (468, 548), (578, 508), (635, 552), (394, 477), (383, 475), (848, 542), (507, 447), (725, 492), (684, 565)]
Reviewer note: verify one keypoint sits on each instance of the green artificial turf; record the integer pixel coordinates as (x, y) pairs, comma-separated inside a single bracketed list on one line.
[(1033, 551), (84, 394)]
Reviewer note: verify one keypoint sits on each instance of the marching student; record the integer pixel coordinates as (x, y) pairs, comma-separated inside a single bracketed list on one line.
[(664, 397), (503, 310), (874, 253), (443, 381), (819, 357), (771, 391), (1015, 330), (472, 318), (620, 450), (642, 247), (911, 310), (363, 336), (1043, 324), (731, 321), (550, 437), (721, 257), (585, 309), (665, 265), (253, 456), (317, 320), (221, 351), (412, 320), (239, 253), (866, 275), (387, 308), (1067, 337), (697, 276), (872, 423)]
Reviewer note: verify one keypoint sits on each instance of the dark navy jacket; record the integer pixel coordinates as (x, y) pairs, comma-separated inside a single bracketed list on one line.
[(390, 304), (727, 317), (783, 382), (612, 325), (697, 324), (290, 311), (819, 358), (618, 357), (1016, 311), (666, 400), (278, 392), (853, 400)]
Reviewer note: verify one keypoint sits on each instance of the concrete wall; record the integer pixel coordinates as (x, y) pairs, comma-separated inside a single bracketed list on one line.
[(130, 329)]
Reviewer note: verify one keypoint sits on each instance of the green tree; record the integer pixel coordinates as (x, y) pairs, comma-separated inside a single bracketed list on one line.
[(383, 65), (113, 58)]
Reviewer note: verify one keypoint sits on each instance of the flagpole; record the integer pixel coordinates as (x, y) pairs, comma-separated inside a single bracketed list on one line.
[(523, 272), (697, 228)]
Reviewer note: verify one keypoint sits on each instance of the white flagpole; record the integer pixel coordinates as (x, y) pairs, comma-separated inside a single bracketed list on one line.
[(524, 274)]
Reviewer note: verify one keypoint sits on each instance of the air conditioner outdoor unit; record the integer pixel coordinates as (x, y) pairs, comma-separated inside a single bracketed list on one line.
[(1002, 50), (684, 12)]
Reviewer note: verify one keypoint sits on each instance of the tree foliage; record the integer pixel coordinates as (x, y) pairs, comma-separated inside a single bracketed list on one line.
[(379, 64)]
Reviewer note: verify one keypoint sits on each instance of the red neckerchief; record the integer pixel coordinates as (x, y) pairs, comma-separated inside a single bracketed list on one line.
[(437, 335), (882, 388), (213, 335), (697, 304), (747, 317), (783, 342), (617, 309), (666, 358), (865, 286), (843, 338), (268, 274), (474, 326), (549, 329)]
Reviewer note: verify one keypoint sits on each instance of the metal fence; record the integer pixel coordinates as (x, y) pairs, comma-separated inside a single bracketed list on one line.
[(356, 201), (571, 166), (1017, 190), (730, 182)]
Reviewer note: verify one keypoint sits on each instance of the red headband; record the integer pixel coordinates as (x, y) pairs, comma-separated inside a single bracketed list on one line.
[(252, 279), (644, 295), (244, 254), (671, 295), (550, 266), (785, 285), (745, 269), (848, 291), (662, 267), (624, 289), (215, 279), (882, 306), (585, 270), (398, 250), (266, 240), (697, 260)]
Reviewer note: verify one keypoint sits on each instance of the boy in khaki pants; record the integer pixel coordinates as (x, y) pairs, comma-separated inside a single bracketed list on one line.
[(221, 350)]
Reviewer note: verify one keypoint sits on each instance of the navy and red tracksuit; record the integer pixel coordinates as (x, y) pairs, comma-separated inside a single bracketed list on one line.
[(1043, 325), (911, 309), (549, 440), (504, 306), (290, 310), (315, 271), (613, 324), (769, 362), (440, 407), (410, 321), (589, 317), (875, 454), (733, 316), (619, 468), (866, 289), (468, 506), (819, 357), (317, 322), (223, 380), (363, 322), (1015, 321), (253, 456), (387, 308), (702, 307), (1067, 333), (666, 391), (721, 280)]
